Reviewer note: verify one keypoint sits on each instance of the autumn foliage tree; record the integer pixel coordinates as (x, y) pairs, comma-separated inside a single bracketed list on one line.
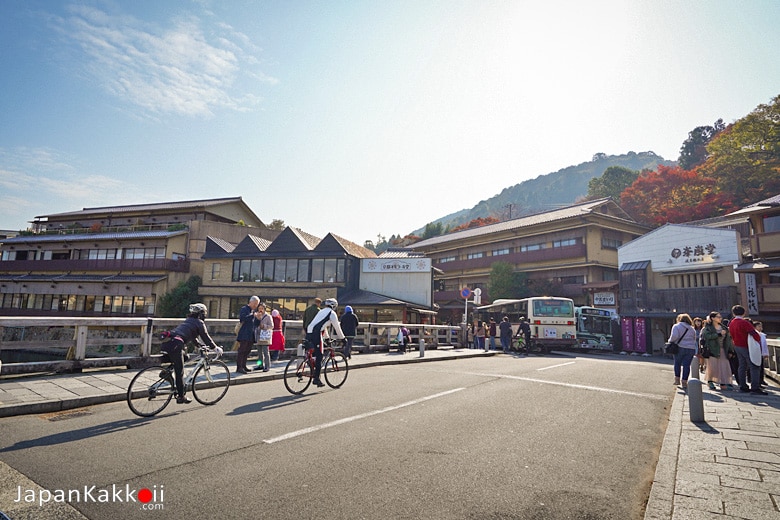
[(673, 195), (744, 159), (477, 222)]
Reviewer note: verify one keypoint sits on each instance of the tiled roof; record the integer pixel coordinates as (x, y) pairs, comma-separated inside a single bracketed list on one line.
[(187, 204), (401, 253), (88, 237), (529, 220), (262, 243), (306, 238), (354, 249), (223, 244)]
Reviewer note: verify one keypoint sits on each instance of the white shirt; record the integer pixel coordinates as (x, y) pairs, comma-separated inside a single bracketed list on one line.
[(333, 321)]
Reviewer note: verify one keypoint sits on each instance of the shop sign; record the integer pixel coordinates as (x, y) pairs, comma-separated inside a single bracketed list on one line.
[(752, 293), (417, 265), (691, 254), (604, 298)]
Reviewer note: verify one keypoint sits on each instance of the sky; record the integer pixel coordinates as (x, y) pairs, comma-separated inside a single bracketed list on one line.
[(362, 117)]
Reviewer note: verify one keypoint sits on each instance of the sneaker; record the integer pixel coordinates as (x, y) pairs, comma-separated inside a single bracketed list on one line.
[(711, 385), (183, 400), (759, 392), (318, 383), (744, 389)]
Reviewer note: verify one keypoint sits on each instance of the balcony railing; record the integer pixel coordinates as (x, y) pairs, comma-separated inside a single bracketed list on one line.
[(766, 245), (64, 266), (526, 257)]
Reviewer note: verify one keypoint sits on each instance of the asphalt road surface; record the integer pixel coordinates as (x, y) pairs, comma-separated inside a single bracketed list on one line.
[(550, 437)]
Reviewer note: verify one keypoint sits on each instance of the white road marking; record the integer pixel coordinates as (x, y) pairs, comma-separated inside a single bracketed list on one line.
[(573, 385), (555, 366), (313, 429)]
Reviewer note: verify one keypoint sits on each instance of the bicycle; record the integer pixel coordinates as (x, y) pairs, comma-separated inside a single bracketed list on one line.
[(152, 389), (299, 372)]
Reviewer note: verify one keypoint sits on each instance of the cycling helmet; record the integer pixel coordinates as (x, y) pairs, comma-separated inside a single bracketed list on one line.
[(332, 303), (199, 310)]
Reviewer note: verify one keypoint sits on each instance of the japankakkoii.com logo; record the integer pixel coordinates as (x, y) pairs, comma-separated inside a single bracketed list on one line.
[(148, 498)]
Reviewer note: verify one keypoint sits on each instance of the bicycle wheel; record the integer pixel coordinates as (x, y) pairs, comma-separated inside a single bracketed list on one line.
[(336, 369), (149, 393), (211, 382), (297, 375)]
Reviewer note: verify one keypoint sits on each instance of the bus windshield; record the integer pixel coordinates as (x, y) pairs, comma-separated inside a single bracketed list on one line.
[(553, 308)]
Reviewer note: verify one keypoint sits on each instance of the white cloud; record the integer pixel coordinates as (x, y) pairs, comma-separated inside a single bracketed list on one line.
[(44, 175), (186, 68)]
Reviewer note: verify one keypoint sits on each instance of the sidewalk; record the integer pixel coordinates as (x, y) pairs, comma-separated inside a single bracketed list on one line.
[(46, 393), (726, 467)]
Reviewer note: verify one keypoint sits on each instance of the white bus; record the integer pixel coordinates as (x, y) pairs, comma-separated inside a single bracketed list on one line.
[(551, 319)]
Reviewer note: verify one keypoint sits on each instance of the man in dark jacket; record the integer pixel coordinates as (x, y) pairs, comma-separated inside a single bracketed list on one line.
[(349, 325), (246, 334)]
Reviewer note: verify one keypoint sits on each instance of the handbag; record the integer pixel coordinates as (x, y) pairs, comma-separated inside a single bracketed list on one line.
[(672, 347), (264, 336), (704, 351)]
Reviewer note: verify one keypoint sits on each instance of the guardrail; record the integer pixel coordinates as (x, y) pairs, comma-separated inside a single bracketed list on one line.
[(68, 344)]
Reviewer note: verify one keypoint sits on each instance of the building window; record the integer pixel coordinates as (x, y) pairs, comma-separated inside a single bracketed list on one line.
[(566, 242), (771, 223), (500, 252), (215, 268), (472, 256), (572, 280), (610, 243), (447, 259), (531, 247)]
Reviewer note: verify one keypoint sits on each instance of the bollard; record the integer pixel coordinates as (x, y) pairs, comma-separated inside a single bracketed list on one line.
[(487, 345), (695, 400), (422, 347)]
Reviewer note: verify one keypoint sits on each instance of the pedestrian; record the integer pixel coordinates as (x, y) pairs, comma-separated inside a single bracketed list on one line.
[(246, 334), (470, 335), (717, 341), (699, 364), (492, 333), (685, 337), (263, 336), (740, 329), (481, 328), (277, 339), (764, 349), (349, 324), (310, 312), (505, 334)]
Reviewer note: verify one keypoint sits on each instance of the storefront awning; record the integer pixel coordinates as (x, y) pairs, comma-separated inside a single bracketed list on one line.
[(635, 266), (758, 265)]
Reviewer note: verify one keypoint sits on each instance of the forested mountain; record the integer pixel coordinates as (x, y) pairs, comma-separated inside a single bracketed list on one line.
[(550, 191)]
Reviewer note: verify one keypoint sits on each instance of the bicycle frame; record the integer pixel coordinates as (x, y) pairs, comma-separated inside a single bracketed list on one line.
[(201, 360)]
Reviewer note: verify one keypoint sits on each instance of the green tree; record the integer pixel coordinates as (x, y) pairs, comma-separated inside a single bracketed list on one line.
[(504, 282), (432, 230), (694, 150), (744, 159), (612, 182), (277, 225), (176, 303)]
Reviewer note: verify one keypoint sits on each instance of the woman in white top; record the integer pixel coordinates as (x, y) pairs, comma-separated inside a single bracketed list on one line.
[(684, 335)]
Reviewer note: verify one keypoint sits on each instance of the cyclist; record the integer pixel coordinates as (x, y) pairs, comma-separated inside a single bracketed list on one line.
[(524, 330), (192, 328), (318, 328)]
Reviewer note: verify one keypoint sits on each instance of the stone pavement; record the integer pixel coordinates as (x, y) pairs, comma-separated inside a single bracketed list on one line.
[(727, 467)]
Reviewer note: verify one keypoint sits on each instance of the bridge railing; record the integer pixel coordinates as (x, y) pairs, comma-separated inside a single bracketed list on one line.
[(62, 344)]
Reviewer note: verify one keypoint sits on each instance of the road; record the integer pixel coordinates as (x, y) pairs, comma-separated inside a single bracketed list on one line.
[(549, 437)]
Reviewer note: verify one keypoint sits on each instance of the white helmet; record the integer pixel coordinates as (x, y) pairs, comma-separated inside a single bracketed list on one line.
[(199, 309), (332, 303)]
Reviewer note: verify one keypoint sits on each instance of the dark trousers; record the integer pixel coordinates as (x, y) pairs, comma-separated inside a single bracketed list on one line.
[(175, 350), (744, 365), (315, 341), (244, 348)]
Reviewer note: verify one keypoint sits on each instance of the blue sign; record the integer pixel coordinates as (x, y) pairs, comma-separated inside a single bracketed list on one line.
[(465, 293)]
